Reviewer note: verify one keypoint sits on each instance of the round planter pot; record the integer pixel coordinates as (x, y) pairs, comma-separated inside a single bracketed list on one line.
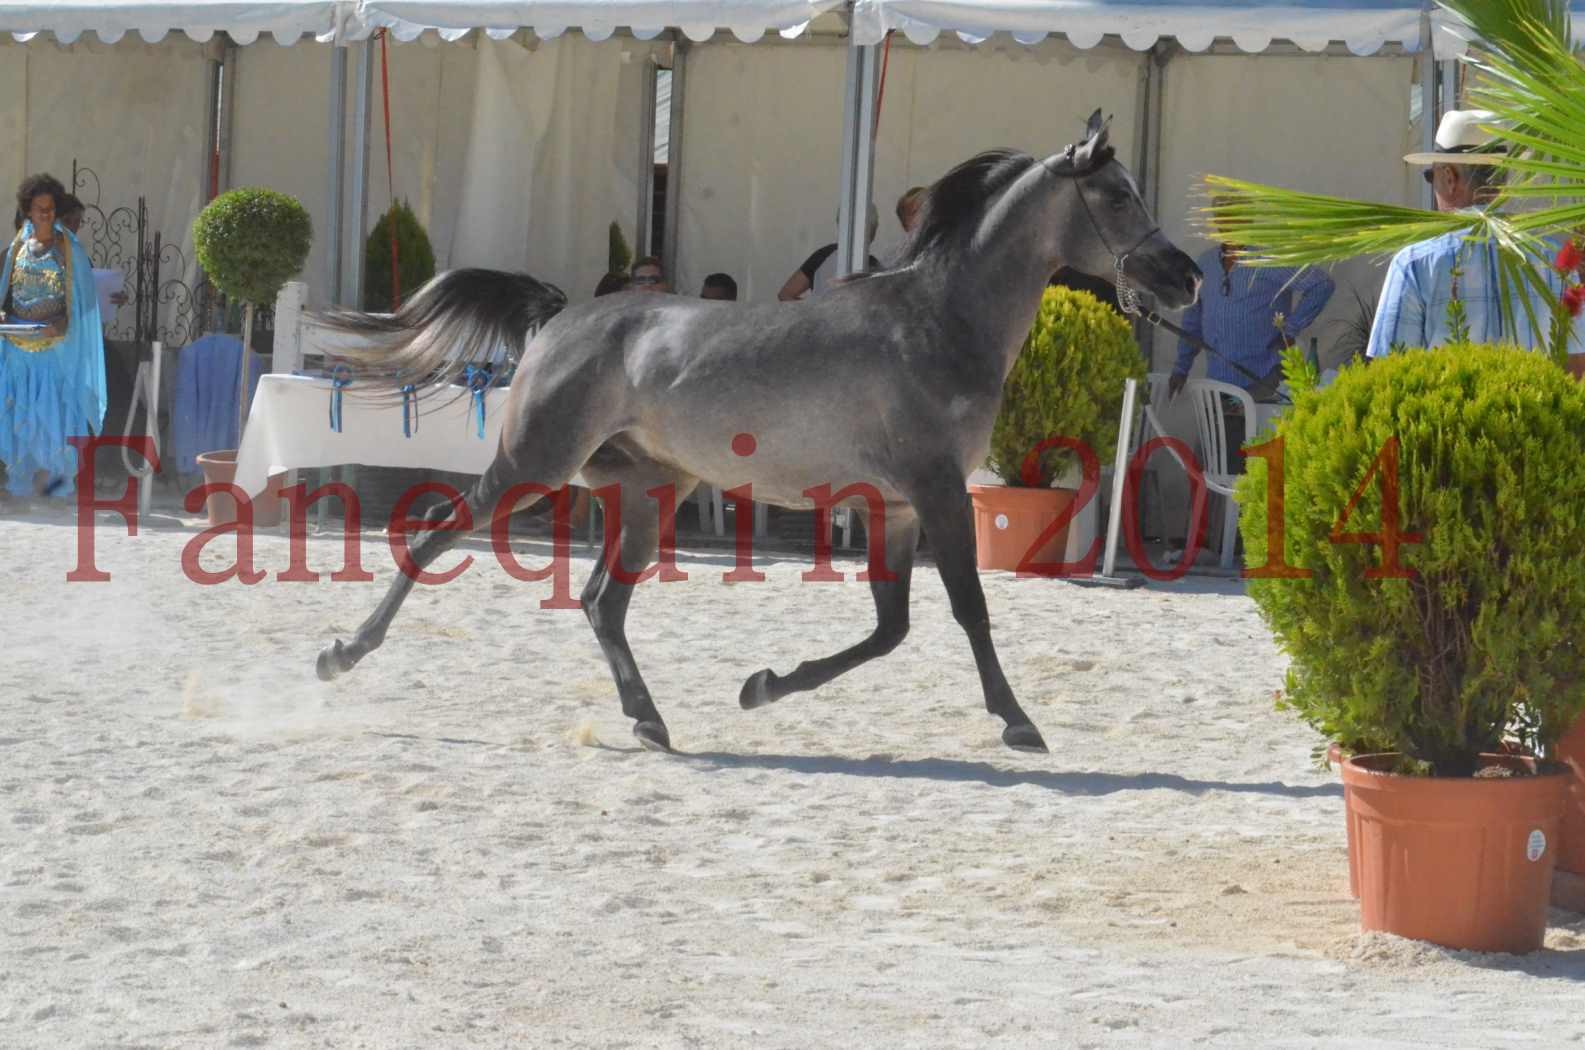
[(1008, 521), (1571, 751), (1335, 757), (220, 468), (1464, 862)]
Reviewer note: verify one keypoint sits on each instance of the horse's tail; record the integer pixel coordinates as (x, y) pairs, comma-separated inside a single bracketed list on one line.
[(460, 318)]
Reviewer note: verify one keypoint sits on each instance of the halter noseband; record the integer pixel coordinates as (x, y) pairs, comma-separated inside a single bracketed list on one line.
[(1127, 296)]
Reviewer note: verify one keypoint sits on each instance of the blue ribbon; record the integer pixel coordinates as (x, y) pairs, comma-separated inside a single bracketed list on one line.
[(340, 379), (409, 410), (478, 383)]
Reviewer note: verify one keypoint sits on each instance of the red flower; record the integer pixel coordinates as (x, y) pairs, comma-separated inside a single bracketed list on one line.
[(1574, 300), (1570, 257)]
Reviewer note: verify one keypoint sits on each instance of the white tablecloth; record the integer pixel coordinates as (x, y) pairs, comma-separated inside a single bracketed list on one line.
[(289, 427)]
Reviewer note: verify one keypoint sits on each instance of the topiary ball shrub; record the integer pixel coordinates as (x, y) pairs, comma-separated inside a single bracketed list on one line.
[(415, 258), (1068, 381), (1490, 474), (251, 241)]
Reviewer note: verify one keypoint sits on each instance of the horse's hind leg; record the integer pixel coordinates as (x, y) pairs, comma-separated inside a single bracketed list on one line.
[(947, 515), (607, 594), (338, 658), (891, 626)]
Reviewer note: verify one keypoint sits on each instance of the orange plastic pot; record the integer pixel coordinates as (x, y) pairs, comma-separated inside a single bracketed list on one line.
[(1571, 752), (1464, 862), (1008, 522), (1335, 757), (220, 468)]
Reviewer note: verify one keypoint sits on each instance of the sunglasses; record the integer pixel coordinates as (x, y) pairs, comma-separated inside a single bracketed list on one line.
[(645, 280)]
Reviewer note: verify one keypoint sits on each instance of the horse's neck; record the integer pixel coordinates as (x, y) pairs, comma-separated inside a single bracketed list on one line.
[(999, 282)]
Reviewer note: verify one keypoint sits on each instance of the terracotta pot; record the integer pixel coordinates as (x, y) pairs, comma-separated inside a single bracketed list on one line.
[(1335, 757), (1571, 751), (1464, 862), (220, 468), (1008, 521)]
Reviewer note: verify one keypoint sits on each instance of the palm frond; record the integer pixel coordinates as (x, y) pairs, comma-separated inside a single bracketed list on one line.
[(1528, 76)]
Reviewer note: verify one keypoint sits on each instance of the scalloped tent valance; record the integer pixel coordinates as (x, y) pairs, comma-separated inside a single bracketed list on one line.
[(244, 20), (1364, 26)]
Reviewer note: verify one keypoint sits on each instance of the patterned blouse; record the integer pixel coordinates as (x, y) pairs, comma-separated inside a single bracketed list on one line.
[(40, 288)]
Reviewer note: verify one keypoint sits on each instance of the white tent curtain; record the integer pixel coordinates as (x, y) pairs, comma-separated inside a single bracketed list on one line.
[(510, 157), (136, 114), (761, 162)]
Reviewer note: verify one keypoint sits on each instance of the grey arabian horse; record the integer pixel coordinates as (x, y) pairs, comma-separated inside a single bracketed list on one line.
[(890, 380)]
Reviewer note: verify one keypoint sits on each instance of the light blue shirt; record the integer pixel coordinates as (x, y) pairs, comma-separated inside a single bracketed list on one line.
[(1420, 286), (1240, 323)]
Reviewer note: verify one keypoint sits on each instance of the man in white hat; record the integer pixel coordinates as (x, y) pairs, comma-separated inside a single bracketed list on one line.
[(1425, 278)]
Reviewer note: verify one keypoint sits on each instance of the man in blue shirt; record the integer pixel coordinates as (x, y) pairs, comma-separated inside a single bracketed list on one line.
[(1425, 278), (1248, 315)]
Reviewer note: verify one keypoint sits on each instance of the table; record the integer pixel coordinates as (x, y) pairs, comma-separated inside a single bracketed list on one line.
[(289, 428)]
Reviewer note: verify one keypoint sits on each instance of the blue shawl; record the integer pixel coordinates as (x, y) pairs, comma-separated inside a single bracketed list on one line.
[(48, 395)]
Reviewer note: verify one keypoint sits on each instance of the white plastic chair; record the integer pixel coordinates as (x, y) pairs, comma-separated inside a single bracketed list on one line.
[(1205, 399)]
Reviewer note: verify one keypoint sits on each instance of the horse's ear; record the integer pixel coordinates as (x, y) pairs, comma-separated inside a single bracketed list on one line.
[(1095, 125)]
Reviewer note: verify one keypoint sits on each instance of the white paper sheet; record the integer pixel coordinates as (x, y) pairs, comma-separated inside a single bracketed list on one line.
[(108, 283)]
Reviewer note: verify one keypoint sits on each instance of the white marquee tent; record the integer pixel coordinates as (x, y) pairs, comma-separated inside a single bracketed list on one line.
[(519, 148)]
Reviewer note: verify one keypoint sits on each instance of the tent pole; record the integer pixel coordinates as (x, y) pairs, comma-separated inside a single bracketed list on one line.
[(858, 155), (643, 242), (673, 222), (337, 154), (357, 211), (1427, 98)]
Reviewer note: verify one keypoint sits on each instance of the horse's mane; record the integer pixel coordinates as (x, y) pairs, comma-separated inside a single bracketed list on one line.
[(959, 197)]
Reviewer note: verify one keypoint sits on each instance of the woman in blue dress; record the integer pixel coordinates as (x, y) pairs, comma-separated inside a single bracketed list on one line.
[(52, 379)]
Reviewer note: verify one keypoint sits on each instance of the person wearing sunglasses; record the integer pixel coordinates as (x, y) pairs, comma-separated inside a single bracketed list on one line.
[(1425, 278), (649, 276)]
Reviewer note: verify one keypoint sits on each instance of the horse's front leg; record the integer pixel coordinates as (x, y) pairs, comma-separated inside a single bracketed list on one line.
[(947, 514), (891, 616)]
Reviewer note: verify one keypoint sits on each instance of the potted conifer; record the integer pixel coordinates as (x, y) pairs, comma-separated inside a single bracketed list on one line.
[(415, 259), (1432, 510), (1065, 389)]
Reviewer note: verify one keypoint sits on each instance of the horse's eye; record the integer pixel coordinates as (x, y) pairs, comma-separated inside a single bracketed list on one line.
[(1119, 201)]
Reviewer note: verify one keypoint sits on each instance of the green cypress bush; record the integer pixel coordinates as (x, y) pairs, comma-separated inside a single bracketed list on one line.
[(251, 241), (1068, 381), (1486, 639), (415, 258)]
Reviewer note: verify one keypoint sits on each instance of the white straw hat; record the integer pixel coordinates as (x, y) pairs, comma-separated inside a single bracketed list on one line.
[(1461, 140)]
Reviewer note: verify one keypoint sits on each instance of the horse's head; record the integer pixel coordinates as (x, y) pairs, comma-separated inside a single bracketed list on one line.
[(1110, 231)]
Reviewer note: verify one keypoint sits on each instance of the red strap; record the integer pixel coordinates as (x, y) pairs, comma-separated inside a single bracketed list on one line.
[(880, 94), (390, 177)]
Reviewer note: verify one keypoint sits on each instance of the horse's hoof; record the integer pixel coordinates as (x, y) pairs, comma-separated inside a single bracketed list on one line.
[(331, 662), (1025, 738), (756, 691), (653, 736)]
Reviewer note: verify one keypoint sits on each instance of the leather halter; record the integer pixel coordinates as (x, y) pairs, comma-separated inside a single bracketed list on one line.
[(1127, 296)]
